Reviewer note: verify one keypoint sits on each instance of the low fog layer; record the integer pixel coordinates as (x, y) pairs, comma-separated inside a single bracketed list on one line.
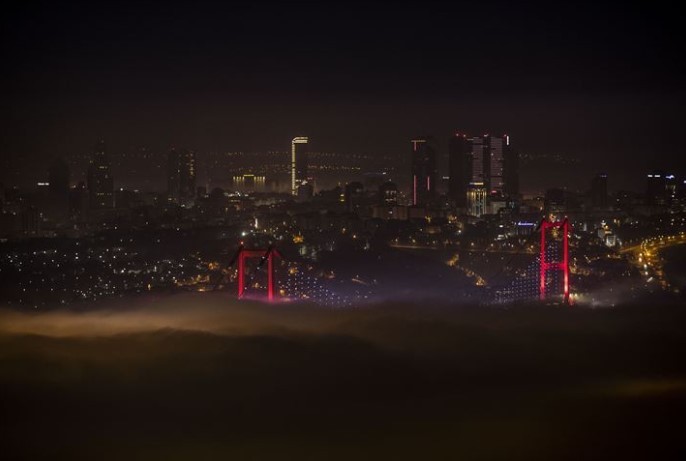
[(198, 376)]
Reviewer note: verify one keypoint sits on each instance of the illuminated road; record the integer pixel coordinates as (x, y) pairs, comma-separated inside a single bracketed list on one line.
[(646, 257)]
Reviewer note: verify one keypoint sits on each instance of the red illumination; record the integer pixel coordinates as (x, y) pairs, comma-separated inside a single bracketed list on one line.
[(267, 254), (562, 266)]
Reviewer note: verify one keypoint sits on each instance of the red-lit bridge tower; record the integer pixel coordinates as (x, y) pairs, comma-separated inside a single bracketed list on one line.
[(555, 265), (265, 255)]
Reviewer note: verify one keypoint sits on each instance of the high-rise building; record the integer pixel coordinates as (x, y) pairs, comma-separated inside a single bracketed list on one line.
[(493, 164), (100, 181), (479, 158), (181, 171), (486, 160), (424, 171), (599, 197), (459, 168), (298, 162), (476, 199)]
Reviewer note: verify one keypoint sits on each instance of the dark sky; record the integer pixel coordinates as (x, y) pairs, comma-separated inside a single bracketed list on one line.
[(599, 82)]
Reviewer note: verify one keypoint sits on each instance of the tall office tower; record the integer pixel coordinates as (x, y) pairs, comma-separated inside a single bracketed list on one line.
[(486, 160), (424, 170), (181, 172), (459, 168), (298, 162), (599, 191), (100, 182), (493, 164), (479, 158)]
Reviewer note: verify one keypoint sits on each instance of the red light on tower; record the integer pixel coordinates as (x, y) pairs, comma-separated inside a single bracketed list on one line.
[(265, 255), (560, 265)]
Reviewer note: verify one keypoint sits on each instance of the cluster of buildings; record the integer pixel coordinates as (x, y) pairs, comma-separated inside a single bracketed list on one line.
[(470, 206), (480, 181), (483, 173)]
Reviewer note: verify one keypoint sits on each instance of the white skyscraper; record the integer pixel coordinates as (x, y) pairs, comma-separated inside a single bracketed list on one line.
[(298, 162)]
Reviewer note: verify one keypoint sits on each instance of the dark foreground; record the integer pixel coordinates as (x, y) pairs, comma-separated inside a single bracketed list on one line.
[(192, 378)]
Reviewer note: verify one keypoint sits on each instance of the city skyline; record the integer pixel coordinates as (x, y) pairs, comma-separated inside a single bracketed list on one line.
[(610, 94), (342, 230)]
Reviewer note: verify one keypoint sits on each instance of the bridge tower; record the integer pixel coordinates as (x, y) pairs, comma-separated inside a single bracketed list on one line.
[(555, 265), (265, 255)]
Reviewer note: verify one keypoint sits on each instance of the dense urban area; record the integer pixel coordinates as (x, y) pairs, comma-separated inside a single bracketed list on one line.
[(348, 228)]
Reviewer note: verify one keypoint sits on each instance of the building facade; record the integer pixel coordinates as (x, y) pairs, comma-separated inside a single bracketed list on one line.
[(299, 146), (181, 174), (488, 162)]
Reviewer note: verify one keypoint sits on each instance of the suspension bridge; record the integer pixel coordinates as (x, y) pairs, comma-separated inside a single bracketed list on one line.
[(269, 278)]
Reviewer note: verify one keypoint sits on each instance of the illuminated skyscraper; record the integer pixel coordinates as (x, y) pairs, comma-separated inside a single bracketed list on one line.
[(181, 171), (459, 168), (493, 165), (424, 171), (476, 199), (100, 182), (488, 161), (298, 162)]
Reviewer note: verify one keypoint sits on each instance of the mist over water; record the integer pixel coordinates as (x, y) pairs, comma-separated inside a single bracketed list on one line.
[(203, 376)]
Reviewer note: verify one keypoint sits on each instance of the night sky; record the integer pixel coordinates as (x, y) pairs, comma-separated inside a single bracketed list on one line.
[(600, 83)]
